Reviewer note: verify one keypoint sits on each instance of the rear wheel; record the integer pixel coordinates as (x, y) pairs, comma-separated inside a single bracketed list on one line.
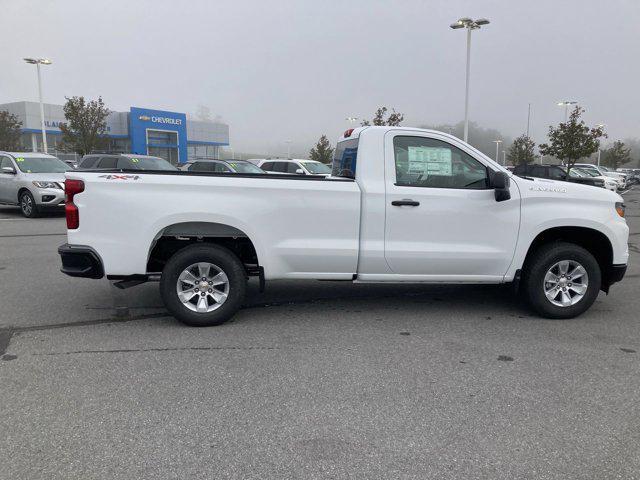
[(28, 205), (203, 285), (561, 280)]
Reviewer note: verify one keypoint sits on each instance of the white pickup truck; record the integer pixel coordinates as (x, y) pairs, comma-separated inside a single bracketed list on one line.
[(401, 205)]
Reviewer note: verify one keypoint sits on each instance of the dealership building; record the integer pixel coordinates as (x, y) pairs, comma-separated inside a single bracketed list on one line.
[(143, 131)]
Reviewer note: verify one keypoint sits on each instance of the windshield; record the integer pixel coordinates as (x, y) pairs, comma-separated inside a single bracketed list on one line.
[(245, 167), (589, 171), (317, 167), (151, 163), (41, 165)]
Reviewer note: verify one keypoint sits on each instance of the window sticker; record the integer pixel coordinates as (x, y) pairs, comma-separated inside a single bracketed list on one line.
[(134, 160), (430, 161), (19, 159)]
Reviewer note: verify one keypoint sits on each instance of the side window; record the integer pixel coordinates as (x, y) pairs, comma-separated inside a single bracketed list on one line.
[(427, 162), (200, 167), (292, 167), (88, 162), (124, 163), (108, 162), (220, 167), (556, 173), (5, 162), (280, 167), (267, 166), (537, 171)]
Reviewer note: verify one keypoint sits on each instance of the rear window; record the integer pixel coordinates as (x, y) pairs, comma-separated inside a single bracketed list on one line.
[(345, 158)]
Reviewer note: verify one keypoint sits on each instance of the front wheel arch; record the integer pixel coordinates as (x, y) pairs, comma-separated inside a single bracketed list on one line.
[(594, 241)]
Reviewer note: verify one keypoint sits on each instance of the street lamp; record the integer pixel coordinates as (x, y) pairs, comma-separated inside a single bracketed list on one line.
[(469, 24), (566, 104), (37, 62), (600, 125), (351, 120), (497, 142)]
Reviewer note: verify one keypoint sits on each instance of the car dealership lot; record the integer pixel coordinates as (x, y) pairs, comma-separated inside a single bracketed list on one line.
[(334, 381)]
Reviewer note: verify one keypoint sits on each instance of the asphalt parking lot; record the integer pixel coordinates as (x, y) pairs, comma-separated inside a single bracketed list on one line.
[(310, 380)]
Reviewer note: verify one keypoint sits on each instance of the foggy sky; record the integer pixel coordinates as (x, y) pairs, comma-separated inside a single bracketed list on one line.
[(292, 70)]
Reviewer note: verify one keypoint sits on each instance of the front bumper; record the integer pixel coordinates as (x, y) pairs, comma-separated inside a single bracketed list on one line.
[(80, 261), (49, 197)]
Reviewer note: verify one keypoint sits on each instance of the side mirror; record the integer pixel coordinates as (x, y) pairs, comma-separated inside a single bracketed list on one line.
[(299, 171), (500, 183), (10, 170)]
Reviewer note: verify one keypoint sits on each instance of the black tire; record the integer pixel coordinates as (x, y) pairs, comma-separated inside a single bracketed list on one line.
[(538, 266), (221, 257), (28, 205)]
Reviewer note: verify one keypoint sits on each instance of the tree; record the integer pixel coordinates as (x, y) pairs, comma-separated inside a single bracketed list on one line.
[(521, 151), (394, 119), (9, 131), (480, 137), (572, 140), (616, 155), (322, 151), (86, 125)]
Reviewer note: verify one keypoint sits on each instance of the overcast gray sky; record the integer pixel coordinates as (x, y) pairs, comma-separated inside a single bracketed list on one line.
[(279, 70)]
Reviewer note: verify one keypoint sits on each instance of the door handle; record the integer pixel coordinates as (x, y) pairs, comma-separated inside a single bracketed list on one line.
[(405, 202)]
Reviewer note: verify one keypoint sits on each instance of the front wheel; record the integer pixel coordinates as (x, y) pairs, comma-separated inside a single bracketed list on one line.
[(561, 280), (203, 285), (28, 205)]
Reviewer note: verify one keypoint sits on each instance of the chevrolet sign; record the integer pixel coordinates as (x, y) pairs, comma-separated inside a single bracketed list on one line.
[(166, 120)]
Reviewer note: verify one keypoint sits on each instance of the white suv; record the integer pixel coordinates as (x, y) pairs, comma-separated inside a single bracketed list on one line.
[(294, 167), (621, 178)]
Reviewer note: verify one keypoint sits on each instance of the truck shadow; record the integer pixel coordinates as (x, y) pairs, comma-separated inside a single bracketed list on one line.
[(432, 298)]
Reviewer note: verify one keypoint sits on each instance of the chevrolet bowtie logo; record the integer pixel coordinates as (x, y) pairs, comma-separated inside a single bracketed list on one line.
[(144, 117)]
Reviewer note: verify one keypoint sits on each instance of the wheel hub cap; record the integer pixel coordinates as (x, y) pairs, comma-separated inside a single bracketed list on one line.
[(565, 283), (202, 287)]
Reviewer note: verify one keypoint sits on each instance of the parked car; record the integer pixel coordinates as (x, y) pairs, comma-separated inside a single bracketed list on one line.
[(71, 163), (603, 171), (415, 206), (609, 183), (34, 181), (221, 166), (294, 167), (556, 172), (123, 161)]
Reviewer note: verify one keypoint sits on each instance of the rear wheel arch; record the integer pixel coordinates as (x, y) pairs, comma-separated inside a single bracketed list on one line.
[(173, 238)]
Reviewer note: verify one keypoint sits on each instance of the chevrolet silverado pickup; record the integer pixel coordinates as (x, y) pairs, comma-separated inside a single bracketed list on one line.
[(401, 205)]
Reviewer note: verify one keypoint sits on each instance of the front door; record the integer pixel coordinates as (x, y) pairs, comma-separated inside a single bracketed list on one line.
[(442, 220), (8, 193)]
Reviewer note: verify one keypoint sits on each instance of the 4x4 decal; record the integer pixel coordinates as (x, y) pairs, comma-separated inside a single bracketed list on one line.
[(120, 177)]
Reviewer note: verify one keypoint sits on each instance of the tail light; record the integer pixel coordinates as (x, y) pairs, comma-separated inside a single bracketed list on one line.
[(348, 133), (71, 188)]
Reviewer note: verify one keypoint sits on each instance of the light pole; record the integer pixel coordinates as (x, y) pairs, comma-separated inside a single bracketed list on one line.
[(288, 142), (37, 62), (504, 158), (600, 125), (566, 104), (469, 24), (528, 119), (497, 142)]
